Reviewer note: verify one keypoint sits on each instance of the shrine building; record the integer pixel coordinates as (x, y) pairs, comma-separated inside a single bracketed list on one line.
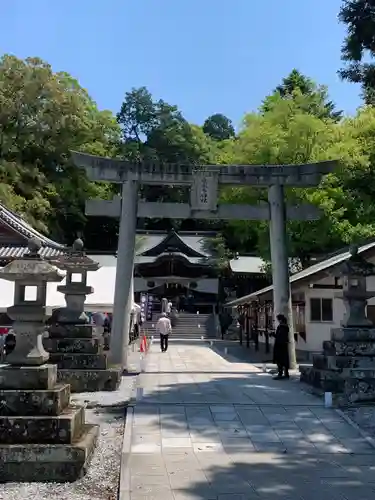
[(167, 265)]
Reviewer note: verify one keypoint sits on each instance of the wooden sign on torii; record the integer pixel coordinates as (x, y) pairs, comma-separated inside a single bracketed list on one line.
[(204, 182)]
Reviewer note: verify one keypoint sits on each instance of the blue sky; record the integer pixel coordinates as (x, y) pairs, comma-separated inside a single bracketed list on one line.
[(206, 56)]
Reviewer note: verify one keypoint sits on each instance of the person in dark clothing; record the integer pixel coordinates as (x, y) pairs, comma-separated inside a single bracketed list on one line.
[(281, 348), (10, 343), (107, 333)]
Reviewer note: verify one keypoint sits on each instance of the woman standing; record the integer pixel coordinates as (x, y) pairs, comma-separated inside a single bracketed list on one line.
[(281, 348)]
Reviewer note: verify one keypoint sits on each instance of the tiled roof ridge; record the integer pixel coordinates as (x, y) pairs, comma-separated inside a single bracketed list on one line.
[(158, 232), (315, 268), (341, 251), (24, 228)]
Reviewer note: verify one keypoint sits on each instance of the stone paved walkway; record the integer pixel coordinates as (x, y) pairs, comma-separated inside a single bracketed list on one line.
[(209, 428)]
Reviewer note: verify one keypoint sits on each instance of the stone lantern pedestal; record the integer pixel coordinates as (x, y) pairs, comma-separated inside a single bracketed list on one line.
[(76, 346), (42, 437), (347, 365)]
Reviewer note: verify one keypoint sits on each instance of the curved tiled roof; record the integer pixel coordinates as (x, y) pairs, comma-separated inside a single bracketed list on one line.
[(24, 229), (195, 243), (316, 269), (9, 252), (13, 221)]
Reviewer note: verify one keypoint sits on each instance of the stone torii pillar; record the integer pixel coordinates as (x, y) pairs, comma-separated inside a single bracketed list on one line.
[(203, 182), (123, 298), (282, 300)]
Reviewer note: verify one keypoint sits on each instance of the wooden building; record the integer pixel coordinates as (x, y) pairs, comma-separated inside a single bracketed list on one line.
[(316, 304), (167, 265)]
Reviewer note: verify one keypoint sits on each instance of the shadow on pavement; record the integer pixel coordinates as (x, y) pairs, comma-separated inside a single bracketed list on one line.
[(206, 433)]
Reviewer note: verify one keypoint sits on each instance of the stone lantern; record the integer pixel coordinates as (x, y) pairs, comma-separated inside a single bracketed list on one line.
[(30, 275), (346, 367), (75, 345), (76, 264), (42, 436), (353, 274)]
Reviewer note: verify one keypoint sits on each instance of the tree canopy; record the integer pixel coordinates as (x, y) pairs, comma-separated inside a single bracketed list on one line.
[(44, 115), (312, 98), (358, 50), (219, 127)]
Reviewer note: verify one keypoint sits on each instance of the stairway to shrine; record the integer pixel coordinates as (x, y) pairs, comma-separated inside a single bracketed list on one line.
[(188, 326)]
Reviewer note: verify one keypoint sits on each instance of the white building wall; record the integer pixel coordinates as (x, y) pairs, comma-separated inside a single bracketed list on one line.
[(317, 332)]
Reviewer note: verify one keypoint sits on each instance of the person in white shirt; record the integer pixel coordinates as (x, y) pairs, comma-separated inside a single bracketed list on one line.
[(164, 327), (164, 305), (169, 307)]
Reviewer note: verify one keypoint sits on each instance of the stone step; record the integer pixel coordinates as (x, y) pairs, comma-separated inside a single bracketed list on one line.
[(74, 345), (58, 463), (353, 385), (350, 348), (34, 402), (73, 331), (79, 361), (62, 429), (345, 334), (28, 377), (323, 362), (87, 380)]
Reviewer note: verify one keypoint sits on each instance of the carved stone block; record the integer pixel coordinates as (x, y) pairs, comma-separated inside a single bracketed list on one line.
[(48, 462), (73, 361), (43, 429), (28, 377), (91, 380), (72, 331), (34, 402), (74, 345)]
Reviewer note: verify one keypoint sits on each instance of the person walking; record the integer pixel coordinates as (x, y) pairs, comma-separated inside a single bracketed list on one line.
[(169, 308), (281, 348), (164, 305), (163, 326)]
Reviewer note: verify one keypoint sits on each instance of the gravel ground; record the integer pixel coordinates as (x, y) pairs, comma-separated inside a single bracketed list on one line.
[(106, 409), (364, 417)]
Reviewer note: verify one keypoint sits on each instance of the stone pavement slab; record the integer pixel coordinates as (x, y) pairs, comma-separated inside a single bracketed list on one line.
[(208, 428)]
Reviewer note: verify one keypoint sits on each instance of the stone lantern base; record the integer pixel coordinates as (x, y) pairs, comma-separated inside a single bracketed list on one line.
[(346, 367), (42, 437), (80, 358)]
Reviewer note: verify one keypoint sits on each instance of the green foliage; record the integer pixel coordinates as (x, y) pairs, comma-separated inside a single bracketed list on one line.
[(287, 134), (43, 115), (219, 127), (309, 97), (358, 50), (218, 253), (156, 131)]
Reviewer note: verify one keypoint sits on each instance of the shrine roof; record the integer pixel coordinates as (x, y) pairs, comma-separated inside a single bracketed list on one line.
[(152, 246), (9, 252), (140, 259), (247, 265), (23, 231), (320, 268)]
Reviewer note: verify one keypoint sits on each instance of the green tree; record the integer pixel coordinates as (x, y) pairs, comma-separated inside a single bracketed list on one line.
[(157, 131), (44, 115), (287, 135), (153, 130), (219, 127), (218, 253), (358, 50), (310, 97)]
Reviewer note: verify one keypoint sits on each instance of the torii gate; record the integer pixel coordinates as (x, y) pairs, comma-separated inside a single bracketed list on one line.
[(204, 182)]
